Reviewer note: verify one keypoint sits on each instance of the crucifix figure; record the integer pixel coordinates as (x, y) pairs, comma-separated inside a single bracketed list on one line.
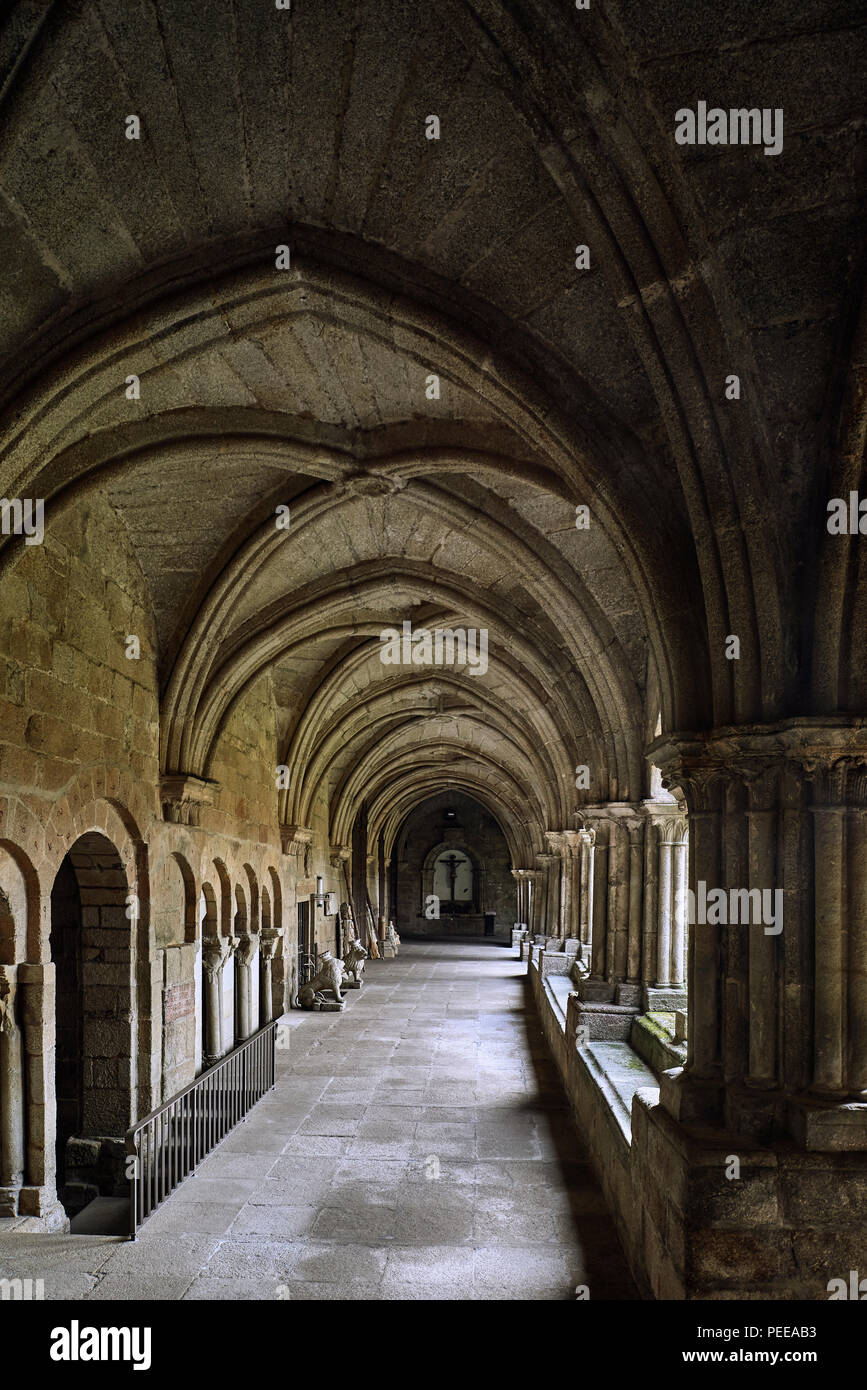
[(453, 860)]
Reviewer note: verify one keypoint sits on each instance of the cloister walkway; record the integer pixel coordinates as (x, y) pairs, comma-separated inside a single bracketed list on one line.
[(416, 1146)]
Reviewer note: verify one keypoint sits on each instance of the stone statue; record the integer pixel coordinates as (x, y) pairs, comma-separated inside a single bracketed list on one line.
[(391, 944), (329, 976), (354, 956)]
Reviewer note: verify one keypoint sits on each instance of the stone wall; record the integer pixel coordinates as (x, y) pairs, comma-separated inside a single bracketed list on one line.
[(71, 698)]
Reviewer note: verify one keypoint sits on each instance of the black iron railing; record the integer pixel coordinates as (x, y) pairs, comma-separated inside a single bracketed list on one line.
[(169, 1143)]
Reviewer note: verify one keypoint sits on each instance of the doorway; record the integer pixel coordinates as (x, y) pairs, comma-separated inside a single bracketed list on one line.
[(92, 948)]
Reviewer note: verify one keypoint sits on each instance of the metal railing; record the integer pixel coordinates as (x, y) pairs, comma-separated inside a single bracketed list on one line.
[(169, 1143)]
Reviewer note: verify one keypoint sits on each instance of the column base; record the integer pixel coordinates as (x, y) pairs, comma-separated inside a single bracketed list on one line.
[(40, 1210), (664, 999), (829, 1126), (766, 1115), (722, 1217), (9, 1198)]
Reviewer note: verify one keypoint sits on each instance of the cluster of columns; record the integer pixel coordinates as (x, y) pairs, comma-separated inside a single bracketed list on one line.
[(617, 887), (216, 953), (777, 1034)]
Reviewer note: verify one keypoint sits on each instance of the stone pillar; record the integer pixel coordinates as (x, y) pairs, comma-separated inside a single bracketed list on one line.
[(776, 1057), (372, 862), (613, 910), (549, 895), (340, 856), (566, 845), (665, 882), (12, 1115), (386, 908), (216, 950), (523, 878), (776, 986), (267, 950), (540, 896), (585, 909), (246, 950)]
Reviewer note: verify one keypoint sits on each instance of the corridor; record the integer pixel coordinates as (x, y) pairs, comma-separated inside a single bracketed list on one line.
[(416, 1146)]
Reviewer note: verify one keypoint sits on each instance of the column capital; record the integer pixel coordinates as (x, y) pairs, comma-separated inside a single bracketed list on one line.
[(269, 940), (182, 796), (828, 753), (565, 842), (247, 946), (524, 873), (611, 813), (669, 818), (216, 950), (294, 839), (339, 854)]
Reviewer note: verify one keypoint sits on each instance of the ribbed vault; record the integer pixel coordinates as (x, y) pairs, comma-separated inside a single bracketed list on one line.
[(261, 387)]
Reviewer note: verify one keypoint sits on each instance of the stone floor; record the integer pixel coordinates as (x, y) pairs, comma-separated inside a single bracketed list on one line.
[(416, 1146)]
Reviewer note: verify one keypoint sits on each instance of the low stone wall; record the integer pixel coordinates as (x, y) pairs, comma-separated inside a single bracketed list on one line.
[(701, 1215)]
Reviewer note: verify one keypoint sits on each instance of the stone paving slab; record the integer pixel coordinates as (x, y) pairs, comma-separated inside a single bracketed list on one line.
[(417, 1146)]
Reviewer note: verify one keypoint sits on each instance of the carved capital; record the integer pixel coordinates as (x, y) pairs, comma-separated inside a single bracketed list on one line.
[(756, 766), (183, 796), (216, 950), (339, 854), (269, 940), (246, 948), (564, 843), (295, 839)]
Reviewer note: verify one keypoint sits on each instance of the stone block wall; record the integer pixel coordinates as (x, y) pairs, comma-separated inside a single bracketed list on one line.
[(70, 698)]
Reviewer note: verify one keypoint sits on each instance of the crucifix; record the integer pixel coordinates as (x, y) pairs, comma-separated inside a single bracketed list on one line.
[(453, 860)]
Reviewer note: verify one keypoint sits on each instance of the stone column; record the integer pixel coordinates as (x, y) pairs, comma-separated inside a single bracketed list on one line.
[(386, 907), (776, 1058), (246, 950), (549, 904), (12, 1120), (267, 950), (216, 950), (37, 1016), (614, 902), (776, 984), (523, 879), (339, 858), (664, 927), (585, 910), (372, 880), (566, 845), (540, 896)]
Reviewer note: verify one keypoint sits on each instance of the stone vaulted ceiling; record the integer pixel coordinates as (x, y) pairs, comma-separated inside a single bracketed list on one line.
[(558, 387)]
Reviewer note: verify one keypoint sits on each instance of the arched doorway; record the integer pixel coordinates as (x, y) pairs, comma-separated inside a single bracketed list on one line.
[(93, 917)]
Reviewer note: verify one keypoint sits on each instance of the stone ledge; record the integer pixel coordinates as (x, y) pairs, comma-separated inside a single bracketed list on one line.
[(655, 1044), (557, 990), (618, 1074)]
